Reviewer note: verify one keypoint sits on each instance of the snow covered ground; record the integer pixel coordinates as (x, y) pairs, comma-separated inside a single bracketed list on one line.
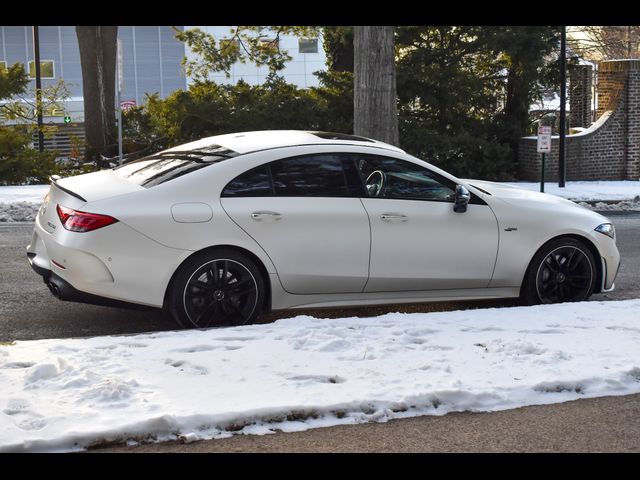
[(21, 203), (605, 190), (303, 372), (23, 193)]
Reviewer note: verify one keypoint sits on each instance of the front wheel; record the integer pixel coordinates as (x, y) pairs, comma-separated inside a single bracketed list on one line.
[(563, 270), (215, 289)]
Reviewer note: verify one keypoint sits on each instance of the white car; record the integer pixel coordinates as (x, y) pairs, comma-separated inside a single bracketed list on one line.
[(221, 229)]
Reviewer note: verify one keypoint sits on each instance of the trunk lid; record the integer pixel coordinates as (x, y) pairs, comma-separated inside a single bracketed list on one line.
[(75, 192), (96, 185)]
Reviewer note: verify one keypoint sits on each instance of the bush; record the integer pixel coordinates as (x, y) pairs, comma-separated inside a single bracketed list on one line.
[(208, 109), (21, 164)]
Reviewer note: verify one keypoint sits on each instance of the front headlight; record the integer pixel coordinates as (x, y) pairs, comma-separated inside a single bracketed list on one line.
[(607, 229)]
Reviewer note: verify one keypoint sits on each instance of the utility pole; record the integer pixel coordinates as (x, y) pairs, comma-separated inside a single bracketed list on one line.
[(36, 55), (119, 77), (562, 172)]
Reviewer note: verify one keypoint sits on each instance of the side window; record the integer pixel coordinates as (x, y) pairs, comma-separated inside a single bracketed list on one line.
[(309, 176), (386, 177), (254, 183)]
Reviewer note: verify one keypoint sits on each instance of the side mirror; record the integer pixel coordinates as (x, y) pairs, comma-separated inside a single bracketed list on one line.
[(461, 199)]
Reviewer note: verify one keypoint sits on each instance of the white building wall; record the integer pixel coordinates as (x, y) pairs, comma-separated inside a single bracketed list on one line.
[(298, 71)]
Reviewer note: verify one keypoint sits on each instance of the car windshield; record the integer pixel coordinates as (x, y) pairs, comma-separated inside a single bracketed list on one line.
[(168, 165)]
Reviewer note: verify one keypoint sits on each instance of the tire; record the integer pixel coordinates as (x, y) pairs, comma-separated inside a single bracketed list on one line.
[(563, 270), (217, 288)]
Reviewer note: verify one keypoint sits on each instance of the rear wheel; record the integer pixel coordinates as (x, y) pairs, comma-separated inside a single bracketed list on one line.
[(215, 289), (563, 270)]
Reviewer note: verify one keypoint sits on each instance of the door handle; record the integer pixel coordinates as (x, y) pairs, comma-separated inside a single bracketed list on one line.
[(259, 216), (387, 217)]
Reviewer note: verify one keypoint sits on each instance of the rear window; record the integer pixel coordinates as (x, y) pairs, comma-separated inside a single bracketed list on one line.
[(170, 164)]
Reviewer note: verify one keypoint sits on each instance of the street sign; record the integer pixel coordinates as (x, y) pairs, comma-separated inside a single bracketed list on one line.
[(544, 139), (67, 119), (127, 104)]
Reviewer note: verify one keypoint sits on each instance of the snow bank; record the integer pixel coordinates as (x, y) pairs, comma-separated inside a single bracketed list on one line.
[(604, 190), (23, 193), (303, 372), (21, 203), (18, 212)]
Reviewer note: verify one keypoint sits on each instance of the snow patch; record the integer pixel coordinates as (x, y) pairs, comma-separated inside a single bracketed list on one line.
[(304, 372)]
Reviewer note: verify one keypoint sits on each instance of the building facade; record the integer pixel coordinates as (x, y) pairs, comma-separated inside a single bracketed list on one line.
[(307, 56), (152, 62)]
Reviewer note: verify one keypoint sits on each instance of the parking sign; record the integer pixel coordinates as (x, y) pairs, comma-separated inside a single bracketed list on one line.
[(544, 139)]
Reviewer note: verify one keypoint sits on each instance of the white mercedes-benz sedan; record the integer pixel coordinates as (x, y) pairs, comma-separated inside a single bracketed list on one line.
[(219, 230)]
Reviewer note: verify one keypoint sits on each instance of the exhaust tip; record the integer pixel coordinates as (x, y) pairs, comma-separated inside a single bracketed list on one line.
[(53, 288)]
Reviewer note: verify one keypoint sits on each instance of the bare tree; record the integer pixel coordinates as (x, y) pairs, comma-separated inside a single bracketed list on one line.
[(375, 105), (596, 43), (98, 48)]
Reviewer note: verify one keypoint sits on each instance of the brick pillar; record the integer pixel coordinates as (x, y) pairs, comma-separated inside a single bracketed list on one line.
[(612, 80), (619, 87), (580, 82), (633, 120)]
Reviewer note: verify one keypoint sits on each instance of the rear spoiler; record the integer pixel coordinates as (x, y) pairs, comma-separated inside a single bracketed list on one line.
[(54, 180)]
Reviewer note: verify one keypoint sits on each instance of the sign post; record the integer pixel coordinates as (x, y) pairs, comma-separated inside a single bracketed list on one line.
[(544, 147)]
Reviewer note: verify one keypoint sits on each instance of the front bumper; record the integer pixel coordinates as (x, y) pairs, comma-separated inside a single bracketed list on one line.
[(608, 280)]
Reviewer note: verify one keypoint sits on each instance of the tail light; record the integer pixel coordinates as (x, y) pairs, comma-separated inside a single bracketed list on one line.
[(76, 221)]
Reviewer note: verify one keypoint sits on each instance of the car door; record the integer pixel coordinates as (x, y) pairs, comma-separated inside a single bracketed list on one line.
[(417, 241), (308, 218)]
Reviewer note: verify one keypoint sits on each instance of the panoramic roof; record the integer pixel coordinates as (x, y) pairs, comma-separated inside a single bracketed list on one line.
[(246, 142)]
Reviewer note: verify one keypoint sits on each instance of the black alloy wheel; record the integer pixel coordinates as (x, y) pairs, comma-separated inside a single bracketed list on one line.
[(562, 271), (223, 289)]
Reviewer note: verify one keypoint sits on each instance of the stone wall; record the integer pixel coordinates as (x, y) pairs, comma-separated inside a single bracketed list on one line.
[(610, 148)]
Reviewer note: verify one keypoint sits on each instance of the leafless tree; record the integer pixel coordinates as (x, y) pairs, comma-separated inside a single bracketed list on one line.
[(596, 43)]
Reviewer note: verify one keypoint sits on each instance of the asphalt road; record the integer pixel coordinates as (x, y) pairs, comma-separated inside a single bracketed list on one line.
[(29, 311)]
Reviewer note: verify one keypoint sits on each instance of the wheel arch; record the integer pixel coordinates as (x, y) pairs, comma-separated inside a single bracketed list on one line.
[(587, 242), (266, 307)]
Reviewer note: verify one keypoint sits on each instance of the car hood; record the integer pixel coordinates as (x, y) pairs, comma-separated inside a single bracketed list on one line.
[(515, 195), (542, 202)]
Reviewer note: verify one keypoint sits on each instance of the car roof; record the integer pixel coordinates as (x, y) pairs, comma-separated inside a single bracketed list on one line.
[(246, 142)]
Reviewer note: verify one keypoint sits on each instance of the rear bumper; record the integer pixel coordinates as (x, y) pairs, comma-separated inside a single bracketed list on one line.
[(115, 265), (63, 290)]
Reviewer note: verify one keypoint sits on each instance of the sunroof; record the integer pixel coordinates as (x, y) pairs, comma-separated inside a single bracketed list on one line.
[(340, 136)]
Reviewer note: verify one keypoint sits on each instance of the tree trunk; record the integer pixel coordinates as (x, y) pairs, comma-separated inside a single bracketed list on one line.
[(375, 112), (98, 48), (516, 108)]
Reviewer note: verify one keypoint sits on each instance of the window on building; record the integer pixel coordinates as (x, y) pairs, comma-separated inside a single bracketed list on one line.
[(46, 69), (308, 45), (269, 43)]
